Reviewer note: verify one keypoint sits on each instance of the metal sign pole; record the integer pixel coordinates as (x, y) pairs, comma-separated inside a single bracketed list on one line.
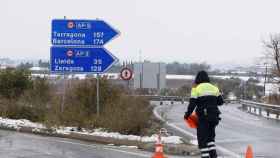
[(81, 53), (97, 95), (64, 91)]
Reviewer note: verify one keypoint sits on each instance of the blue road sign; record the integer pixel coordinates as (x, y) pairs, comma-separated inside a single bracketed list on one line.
[(81, 32), (81, 60)]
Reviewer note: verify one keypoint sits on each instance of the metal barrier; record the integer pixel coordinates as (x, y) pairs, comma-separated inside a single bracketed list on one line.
[(259, 108), (173, 99), (164, 98)]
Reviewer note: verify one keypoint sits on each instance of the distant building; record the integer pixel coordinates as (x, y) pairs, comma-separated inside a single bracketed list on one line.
[(149, 75)]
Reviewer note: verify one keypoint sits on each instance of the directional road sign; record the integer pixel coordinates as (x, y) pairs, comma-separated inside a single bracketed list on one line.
[(81, 32), (80, 60)]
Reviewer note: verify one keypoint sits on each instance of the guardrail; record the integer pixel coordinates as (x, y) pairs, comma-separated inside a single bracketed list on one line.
[(172, 99), (261, 109), (163, 98)]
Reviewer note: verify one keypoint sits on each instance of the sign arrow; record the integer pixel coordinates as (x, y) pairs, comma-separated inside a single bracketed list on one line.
[(81, 32), (81, 60)]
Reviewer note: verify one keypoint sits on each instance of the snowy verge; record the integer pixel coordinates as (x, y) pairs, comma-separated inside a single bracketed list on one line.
[(17, 124), (37, 127), (172, 144)]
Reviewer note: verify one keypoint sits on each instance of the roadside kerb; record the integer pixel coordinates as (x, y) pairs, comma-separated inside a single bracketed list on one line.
[(171, 149)]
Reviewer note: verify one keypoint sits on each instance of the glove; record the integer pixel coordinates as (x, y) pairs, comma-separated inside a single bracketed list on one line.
[(186, 116)]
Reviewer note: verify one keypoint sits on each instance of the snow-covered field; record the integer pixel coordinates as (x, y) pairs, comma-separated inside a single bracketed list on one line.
[(17, 124), (117, 76)]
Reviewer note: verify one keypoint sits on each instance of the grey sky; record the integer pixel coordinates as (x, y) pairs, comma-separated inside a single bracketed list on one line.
[(215, 31)]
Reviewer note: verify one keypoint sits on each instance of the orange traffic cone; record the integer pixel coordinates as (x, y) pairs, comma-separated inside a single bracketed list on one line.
[(249, 152), (159, 151)]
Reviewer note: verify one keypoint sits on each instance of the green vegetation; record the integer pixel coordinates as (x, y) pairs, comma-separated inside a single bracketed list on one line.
[(22, 97), (13, 83)]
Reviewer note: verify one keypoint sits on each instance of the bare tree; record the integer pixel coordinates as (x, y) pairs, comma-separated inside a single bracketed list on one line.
[(272, 47)]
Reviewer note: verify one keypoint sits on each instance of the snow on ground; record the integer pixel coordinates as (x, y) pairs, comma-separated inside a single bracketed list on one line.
[(16, 124), (11, 123), (146, 139), (64, 130), (116, 76), (194, 142), (191, 77), (130, 147)]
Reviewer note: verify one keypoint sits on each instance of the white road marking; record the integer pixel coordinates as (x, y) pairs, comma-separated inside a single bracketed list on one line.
[(91, 146), (222, 149), (129, 153)]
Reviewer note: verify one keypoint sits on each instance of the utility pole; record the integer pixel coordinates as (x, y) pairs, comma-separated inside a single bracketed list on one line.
[(265, 76)]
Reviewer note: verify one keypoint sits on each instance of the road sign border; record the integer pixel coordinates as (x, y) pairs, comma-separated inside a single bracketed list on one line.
[(116, 60), (95, 46)]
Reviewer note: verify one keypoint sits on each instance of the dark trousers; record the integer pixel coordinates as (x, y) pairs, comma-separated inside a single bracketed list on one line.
[(206, 137)]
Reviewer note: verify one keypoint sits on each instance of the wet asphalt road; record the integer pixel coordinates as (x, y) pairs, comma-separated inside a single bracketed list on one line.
[(237, 130), (18, 145)]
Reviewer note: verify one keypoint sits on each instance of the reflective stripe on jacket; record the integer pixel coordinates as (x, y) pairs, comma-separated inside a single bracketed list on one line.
[(205, 97)]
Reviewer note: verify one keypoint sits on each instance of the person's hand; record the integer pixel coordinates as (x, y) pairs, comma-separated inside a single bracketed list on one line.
[(186, 116)]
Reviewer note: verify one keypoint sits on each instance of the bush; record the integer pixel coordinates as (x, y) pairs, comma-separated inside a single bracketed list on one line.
[(39, 93), (13, 83), (118, 112), (23, 112), (36, 101), (129, 115), (273, 99), (22, 97)]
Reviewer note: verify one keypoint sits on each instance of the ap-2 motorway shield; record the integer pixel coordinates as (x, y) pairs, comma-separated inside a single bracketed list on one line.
[(80, 60)]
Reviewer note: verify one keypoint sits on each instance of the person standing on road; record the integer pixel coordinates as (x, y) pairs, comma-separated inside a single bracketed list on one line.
[(205, 99)]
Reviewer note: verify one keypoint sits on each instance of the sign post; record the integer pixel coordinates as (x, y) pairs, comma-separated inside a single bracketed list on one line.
[(126, 74), (97, 96), (78, 48)]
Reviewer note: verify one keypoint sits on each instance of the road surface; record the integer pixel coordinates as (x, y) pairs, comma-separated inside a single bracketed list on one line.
[(236, 131), (19, 145)]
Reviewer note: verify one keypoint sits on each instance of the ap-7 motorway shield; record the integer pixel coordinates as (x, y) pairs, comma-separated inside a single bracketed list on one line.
[(80, 60)]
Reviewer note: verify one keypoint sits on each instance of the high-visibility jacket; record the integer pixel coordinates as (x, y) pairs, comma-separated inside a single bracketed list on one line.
[(206, 98)]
